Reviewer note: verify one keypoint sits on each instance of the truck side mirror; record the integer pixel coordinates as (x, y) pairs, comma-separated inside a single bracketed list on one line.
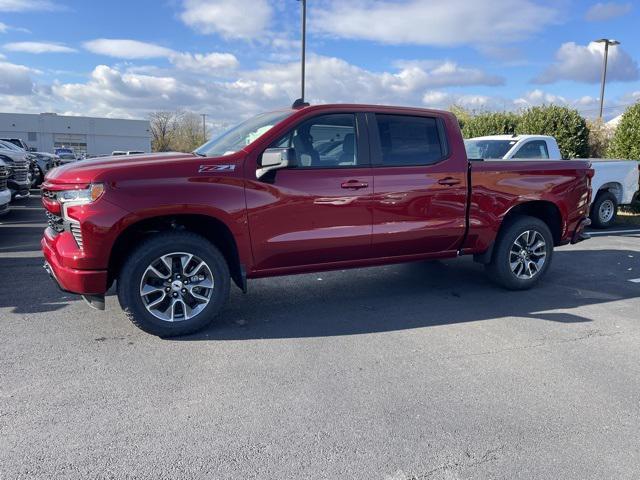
[(275, 159)]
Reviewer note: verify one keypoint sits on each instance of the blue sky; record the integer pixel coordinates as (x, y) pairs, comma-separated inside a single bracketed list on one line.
[(233, 58)]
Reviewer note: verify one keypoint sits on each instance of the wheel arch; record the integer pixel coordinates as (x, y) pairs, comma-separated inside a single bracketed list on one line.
[(544, 210), (211, 228), (615, 188)]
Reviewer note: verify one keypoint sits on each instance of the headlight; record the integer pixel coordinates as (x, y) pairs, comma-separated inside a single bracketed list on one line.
[(81, 197)]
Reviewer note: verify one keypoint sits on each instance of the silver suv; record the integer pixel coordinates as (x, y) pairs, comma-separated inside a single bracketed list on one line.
[(5, 193), (18, 163)]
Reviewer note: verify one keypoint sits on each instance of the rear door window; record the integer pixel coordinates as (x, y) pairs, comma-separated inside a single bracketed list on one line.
[(409, 140), (533, 149)]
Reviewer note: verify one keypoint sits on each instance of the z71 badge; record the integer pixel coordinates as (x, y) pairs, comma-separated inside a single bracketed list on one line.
[(216, 168)]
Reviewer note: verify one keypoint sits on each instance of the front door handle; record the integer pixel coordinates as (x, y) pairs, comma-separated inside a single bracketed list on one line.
[(449, 181), (354, 184)]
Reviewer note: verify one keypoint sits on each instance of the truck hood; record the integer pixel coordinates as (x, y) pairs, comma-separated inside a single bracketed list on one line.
[(96, 169)]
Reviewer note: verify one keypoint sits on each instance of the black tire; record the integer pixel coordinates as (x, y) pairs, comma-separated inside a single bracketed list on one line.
[(37, 177), (129, 281), (604, 210), (500, 266)]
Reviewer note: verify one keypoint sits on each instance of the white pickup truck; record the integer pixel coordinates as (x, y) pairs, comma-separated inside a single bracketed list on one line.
[(615, 181)]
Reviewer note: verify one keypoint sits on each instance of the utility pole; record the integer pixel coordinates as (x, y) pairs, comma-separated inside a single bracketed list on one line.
[(606, 42), (204, 127)]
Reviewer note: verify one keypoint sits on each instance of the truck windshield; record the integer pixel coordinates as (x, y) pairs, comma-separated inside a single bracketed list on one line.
[(488, 148), (241, 135)]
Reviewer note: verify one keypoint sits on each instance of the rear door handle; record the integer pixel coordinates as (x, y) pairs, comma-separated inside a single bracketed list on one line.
[(449, 181), (354, 184)]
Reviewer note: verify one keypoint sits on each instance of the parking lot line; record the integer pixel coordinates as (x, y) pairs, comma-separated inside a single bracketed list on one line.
[(611, 232), (634, 280)]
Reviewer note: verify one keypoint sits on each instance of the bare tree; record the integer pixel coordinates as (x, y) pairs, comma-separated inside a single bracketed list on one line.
[(163, 130), (188, 132), (176, 131)]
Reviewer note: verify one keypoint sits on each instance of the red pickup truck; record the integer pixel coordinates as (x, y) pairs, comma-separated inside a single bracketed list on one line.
[(300, 190)]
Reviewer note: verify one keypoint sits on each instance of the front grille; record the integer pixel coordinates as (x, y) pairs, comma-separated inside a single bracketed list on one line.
[(55, 222), (76, 232), (4, 174), (20, 174), (20, 170)]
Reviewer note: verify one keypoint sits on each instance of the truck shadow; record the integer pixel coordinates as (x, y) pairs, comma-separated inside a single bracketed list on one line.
[(25, 287), (418, 295)]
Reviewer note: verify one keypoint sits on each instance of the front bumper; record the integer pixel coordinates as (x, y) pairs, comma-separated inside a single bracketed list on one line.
[(5, 198), (82, 282), (19, 190)]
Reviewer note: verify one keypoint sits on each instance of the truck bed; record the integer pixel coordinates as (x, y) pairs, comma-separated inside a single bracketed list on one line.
[(499, 186)]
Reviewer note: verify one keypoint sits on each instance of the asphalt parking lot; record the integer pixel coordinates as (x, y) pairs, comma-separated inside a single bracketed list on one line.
[(416, 371)]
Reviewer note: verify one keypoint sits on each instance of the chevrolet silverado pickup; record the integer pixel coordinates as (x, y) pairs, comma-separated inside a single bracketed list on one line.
[(305, 189), (614, 182)]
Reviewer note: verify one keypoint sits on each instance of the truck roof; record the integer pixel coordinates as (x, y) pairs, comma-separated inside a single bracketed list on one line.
[(370, 107), (512, 137)]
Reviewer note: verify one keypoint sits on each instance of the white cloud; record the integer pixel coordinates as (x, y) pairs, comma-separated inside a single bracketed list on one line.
[(133, 92), (205, 63), (440, 99), (584, 64), (4, 28), (602, 11), (331, 79), (38, 47), (447, 73), (15, 79), (229, 18), (432, 22), (188, 84), (587, 105), (27, 5), (128, 49), (539, 97)]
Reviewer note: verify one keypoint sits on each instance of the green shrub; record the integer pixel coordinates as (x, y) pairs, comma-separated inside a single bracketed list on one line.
[(462, 114), (496, 123), (626, 139), (565, 124)]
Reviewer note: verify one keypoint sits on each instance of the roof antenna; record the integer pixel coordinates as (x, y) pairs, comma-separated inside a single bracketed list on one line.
[(299, 103)]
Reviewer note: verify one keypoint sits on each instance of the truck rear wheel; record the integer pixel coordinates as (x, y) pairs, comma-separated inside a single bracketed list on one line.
[(604, 210), (522, 253), (173, 284)]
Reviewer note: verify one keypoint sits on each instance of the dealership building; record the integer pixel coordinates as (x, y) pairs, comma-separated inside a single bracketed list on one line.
[(85, 135)]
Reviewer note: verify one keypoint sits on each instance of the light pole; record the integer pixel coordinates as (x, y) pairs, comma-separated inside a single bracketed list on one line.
[(606, 42), (300, 101)]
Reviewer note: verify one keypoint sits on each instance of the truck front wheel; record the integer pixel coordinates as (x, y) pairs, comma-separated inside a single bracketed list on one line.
[(522, 253), (604, 210), (174, 283)]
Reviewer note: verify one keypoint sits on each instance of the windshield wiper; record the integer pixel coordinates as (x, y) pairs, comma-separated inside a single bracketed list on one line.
[(199, 154)]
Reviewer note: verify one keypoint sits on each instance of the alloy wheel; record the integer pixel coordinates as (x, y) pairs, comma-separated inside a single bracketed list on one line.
[(176, 286), (528, 254)]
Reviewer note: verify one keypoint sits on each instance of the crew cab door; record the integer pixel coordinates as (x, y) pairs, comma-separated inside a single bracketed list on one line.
[(420, 186), (316, 211)]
